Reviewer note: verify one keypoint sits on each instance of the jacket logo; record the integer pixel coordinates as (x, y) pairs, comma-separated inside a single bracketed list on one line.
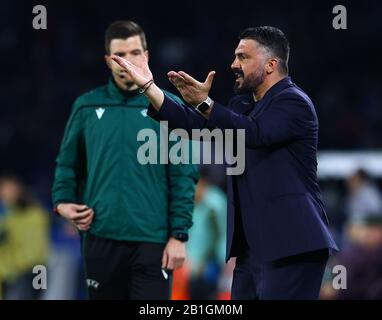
[(100, 112), (144, 112)]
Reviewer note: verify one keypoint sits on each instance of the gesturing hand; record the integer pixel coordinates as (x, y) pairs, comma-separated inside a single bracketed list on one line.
[(192, 91), (140, 74)]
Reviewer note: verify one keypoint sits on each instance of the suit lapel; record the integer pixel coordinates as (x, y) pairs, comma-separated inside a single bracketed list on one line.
[(275, 89), (244, 106), (247, 105)]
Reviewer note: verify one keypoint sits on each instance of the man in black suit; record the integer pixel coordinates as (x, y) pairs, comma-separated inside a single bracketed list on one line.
[(277, 225)]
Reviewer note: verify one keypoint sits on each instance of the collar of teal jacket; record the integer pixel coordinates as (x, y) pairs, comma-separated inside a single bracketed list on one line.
[(120, 94)]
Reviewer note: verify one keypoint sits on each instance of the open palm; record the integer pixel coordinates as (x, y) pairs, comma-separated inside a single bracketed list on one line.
[(192, 90), (140, 74)]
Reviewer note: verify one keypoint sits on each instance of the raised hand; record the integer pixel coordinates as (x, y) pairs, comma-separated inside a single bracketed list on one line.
[(140, 74), (192, 91)]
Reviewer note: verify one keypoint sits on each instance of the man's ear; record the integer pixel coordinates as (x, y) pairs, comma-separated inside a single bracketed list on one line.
[(271, 66), (108, 61)]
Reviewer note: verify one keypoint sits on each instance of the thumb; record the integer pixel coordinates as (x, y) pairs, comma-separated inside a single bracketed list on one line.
[(80, 207), (210, 78)]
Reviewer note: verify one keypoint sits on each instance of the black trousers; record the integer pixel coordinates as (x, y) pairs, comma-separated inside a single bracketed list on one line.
[(124, 270), (296, 277)]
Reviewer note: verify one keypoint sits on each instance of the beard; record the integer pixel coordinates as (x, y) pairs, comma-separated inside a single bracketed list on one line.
[(250, 82), (123, 79), (128, 82)]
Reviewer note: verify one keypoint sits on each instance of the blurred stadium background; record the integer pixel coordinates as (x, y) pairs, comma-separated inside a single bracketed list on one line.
[(43, 71)]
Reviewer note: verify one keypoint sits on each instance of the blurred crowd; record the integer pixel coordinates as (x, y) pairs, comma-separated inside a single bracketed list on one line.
[(30, 235), (50, 68), (357, 224)]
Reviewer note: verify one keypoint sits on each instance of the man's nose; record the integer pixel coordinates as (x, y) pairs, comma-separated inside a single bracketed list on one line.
[(235, 64)]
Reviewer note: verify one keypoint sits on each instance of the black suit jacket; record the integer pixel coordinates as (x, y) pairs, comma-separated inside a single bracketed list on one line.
[(278, 195)]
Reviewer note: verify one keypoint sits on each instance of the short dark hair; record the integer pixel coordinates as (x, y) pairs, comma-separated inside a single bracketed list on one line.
[(273, 39), (121, 30)]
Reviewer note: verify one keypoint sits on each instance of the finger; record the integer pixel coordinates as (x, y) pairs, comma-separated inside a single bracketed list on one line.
[(80, 228), (85, 220), (177, 78), (84, 226), (178, 263), (210, 78), (118, 60), (171, 73), (79, 207), (188, 78), (81, 215), (164, 259), (82, 209), (177, 81), (178, 85), (175, 264), (170, 264), (84, 223), (126, 65)]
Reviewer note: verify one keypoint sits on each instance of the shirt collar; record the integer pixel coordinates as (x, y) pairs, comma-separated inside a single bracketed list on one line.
[(116, 92), (277, 87)]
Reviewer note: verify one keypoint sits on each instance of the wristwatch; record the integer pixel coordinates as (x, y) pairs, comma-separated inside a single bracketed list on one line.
[(180, 236), (205, 105)]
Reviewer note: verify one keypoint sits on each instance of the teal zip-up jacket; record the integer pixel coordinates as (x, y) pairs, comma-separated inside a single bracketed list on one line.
[(97, 165)]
